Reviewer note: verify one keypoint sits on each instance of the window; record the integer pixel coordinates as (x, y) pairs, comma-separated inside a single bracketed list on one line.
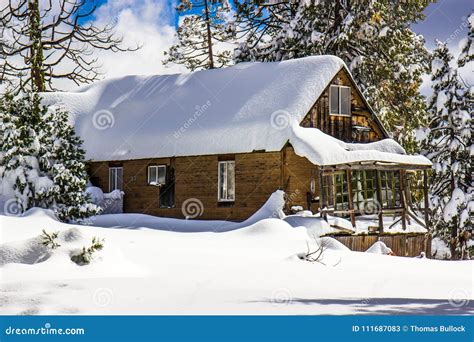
[(115, 178), (157, 175), (336, 191), (363, 189), (226, 181), (390, 189), (340, 100)]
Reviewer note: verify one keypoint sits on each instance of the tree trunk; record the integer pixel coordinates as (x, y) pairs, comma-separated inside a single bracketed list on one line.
[(209, 37), (36, 49)]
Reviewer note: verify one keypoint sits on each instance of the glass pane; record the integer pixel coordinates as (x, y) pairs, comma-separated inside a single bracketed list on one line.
[(162, 174), (222, 167), (334, 93), (152, 175), (230, 180), (119, 178), (111, 179), (345, 101)]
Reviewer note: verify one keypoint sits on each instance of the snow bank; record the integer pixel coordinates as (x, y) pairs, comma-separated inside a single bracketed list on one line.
[(379, 247), (273, 208), (23, 248)]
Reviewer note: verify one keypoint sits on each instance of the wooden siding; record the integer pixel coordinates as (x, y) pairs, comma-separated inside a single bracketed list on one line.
[(343, 127), (257, 176)]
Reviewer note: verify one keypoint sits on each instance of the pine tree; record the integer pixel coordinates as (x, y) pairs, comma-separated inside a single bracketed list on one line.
[(41, 162), (373, 37), (199, 35), (467, 48), (449, 146)]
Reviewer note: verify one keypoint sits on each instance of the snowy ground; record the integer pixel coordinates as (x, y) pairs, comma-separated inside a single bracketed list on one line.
[(250, 270)]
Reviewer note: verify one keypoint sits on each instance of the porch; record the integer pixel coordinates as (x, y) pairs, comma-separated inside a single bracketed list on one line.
[(387, 194)]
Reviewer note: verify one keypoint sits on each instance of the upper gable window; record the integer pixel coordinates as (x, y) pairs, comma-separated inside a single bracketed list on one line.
[(340, 103)]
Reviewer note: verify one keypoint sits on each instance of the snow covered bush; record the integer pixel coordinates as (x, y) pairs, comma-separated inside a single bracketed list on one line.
[(49, 239), (41, 161), (86, 255), (448, 144)]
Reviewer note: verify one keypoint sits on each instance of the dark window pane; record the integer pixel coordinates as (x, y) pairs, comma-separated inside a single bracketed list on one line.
[(334, 91)]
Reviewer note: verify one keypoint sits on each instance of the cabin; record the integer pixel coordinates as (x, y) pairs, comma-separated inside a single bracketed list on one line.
[(228, 138)]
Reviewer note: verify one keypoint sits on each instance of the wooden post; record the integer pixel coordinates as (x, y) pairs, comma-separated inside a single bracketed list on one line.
[(321, 190), (425, 198), (349, 191), (379, 199), (403, 200)]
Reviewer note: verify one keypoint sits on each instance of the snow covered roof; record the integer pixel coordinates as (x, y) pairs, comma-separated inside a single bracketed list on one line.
[(243, 108)]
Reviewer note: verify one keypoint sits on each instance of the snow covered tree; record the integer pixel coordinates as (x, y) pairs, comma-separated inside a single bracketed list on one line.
[(448, 144), (41, 162), (373, 37), (467, 48), (48, 40), (202, 36)]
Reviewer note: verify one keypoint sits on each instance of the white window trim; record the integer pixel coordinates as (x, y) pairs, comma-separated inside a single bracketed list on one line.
[(157, 173), (219, 199), (116, 178), (331, 87)]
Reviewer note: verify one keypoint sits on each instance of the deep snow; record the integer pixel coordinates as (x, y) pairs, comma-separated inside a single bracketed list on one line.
[(251, 270)]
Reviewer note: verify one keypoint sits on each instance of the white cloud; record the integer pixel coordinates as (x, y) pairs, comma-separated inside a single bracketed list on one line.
[(144, 22)]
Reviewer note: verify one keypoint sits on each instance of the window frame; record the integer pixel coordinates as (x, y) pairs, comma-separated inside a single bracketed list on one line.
[(339, 87), (219, 163), (157, 174), (116, 178)]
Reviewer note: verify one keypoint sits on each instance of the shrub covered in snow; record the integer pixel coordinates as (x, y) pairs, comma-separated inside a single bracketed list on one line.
[(86, 254), (41, 161)]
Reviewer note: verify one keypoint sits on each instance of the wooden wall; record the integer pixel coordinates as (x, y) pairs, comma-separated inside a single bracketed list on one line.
[(257, 176), (341, 127)]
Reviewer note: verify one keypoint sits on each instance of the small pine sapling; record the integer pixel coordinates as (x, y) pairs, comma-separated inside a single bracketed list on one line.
[(87, 254), (49, 239)]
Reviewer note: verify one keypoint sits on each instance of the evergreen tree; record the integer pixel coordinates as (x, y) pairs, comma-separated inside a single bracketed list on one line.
[(41, 162), (198, 35), (373, 37), (467, 48), (448, 145)]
